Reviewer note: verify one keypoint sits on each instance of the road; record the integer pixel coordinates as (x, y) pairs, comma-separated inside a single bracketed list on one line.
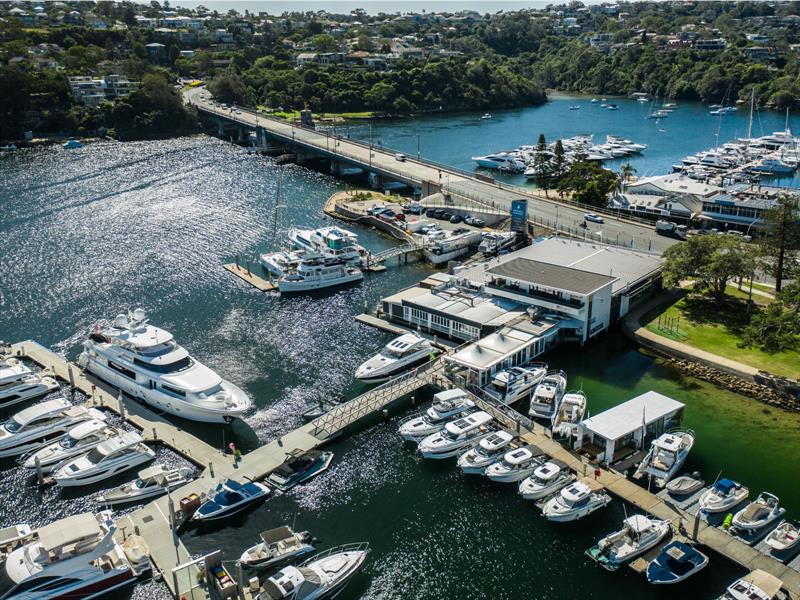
[(542, 210)]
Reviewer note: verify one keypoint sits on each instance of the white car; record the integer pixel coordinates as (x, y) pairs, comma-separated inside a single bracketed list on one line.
[(593, 218)]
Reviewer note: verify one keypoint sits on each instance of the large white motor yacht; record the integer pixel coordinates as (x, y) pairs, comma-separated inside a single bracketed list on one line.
[(333, 243), (667, 454), (447, 406), (42, 423), (576, 501), (110, 458), (317, 273), (145, 362), (80, 439), (488, 451), (514, 384), (18, 383), (516, 465), (638, 535), (457, 435), (399, 355), (546, 479), (547, 395)]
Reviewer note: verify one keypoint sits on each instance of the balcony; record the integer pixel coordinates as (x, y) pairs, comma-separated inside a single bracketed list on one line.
[(537, 295)]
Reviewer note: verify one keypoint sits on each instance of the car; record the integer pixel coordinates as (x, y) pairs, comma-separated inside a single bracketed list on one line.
[(386, 211), (430, 227), (446, 216), (476, 222), (436, 234), (400, 216), (401, 157), (594, 218), (429, 212), (458, 230), (374, 210), (456, 219)]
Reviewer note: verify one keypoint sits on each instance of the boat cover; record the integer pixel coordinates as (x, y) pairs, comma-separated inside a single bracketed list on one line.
[(725, 486)]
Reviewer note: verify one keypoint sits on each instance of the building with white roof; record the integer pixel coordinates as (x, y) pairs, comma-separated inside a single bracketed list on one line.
[(673, 194), (613, 434)]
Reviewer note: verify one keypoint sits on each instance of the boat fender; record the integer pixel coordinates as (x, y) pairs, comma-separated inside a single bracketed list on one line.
[(726, 524)]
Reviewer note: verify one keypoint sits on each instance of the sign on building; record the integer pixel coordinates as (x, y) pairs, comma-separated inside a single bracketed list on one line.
[(519, 216)]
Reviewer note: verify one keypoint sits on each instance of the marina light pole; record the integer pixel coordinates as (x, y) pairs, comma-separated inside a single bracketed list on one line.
[(417, 145)]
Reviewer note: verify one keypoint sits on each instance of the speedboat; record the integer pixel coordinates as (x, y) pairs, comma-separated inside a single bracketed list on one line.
[(764, 511), (547, 395), (13, 537), (298, 467), (676, 561), (75, 557), (512, 385), (42, 423), (486, 116), (447, 406), (546, 479), (575, 501), (146, 363), (332, 243), (277, 546), (685, 485), (488, 451), (281, 262), (321, 576), (457, 435), (150, 482), (398, 356), (231, 498), (18, 383), (80, 439), (316, 273), (570, 412), (71, 144), (108, 459), (757, 585), (516, 465), (667, 454), (784, 537), (722, 496), (637, 536)]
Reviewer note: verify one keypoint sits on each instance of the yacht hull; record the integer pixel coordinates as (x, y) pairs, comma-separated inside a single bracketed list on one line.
[(79, 479), (298, 287), (27, 391)]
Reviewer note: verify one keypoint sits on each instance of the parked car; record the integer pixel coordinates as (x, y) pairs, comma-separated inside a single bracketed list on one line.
[(436, 213), (475, 222), (400, 216), (436, 234), (374, 210), (446, 216), (388, 212), (594, 218), (458, 230), (456, 219), (431, 227)]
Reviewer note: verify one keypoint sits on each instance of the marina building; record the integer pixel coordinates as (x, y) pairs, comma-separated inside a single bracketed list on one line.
[(666, 195)]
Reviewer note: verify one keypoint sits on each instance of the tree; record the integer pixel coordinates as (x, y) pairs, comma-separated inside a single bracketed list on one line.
[(541, 165), (229, 88), (325, 42), (588, 182), (627, 172), (777, 327), (559, 166), (711, 261), (780, 246)]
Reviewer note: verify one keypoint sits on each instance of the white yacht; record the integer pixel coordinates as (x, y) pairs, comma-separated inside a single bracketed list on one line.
[(75, 557), (722, 496), (322, 576), (150, 482), (570, 412), (78, 440), (546, 479), (502, 161), (18, 383), (283, 261), (145, 362), (512, 385), (457, 435), (42, 423), (333, 243), (667, 454), (110, 458), (277, 546), (317, 273), (638, 535), (487, 452), (493, 242), (515, 465), (576, 501), (399, 355), (547, 395), (757, 585), (759, 514), (447, 405)]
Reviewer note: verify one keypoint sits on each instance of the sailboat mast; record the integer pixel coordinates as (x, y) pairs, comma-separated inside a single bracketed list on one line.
[(750, 125)]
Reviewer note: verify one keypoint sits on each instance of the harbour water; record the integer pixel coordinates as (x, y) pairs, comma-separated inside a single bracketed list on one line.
[(88, 232)]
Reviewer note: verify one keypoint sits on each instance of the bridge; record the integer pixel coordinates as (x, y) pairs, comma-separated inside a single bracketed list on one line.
[(425, 175)]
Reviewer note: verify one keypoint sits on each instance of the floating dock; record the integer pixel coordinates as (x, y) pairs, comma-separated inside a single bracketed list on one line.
[(245, 274)]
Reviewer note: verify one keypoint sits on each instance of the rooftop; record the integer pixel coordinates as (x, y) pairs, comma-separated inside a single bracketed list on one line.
[(676, 183), (551, 276), (627, 417)]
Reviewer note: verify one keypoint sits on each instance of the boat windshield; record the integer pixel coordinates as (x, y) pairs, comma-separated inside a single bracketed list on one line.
[(173, 367), (12, 426), (68, 442), (95, 455), (212, 391), (392, 353), (158, 350), (448, 435)]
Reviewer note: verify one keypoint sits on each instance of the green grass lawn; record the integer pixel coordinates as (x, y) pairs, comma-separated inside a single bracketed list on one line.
[(698, 322), (295, 114)]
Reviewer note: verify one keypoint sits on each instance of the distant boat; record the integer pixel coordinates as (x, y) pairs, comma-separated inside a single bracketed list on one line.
[(486, 116), (612, 107), (594, 100), (8, 148), (71, 144), (574, 107)]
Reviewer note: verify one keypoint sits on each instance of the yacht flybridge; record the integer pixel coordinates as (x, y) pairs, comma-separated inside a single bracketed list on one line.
[(666, 456), (399, 355), (546, 480), (514, 384), (18, 383), (145, 362), (547, 395), (457, 435), (575, 501), (516, 465)]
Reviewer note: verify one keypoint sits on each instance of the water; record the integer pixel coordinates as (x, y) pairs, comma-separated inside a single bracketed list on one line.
[(87, 232)]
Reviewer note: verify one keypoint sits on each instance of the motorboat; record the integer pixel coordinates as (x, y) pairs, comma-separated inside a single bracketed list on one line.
[(667, 454), (298, 467), (575, 501), (764, 511), (78, 440), (71, 144), (493, 242), (570, 412), (773, 166), (724, 495), (638, 535), (515, 465), (676, 561), (323, 575), (685, 485), (457, 435), (401, 354), (231, 498), (146, 363), (317, 273), (757, 585), (486, 116), (447, 406), (512, 385), (501, 161), (333, 243), (547, 395), (42, 423), (784, 537), (12, 537), (108, 459), (283, 261), (277, 546), (487, 452), (18, 383), (75, 557), (150, 483), (546, 479)]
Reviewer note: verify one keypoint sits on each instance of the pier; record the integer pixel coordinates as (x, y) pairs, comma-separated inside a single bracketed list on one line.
[(245, 274)]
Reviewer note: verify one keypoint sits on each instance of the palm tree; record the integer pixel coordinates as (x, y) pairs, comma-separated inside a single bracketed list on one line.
[(626, 174)]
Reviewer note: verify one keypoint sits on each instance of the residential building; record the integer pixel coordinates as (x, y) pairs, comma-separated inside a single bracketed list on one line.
[(710, 44), (91, 91)]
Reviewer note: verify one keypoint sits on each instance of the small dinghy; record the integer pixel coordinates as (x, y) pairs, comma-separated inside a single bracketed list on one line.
[(762, 512), (277, 546), (724, 495), (685, 485), (150, 483), (637, 536), (784, 537), (676, 562)]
